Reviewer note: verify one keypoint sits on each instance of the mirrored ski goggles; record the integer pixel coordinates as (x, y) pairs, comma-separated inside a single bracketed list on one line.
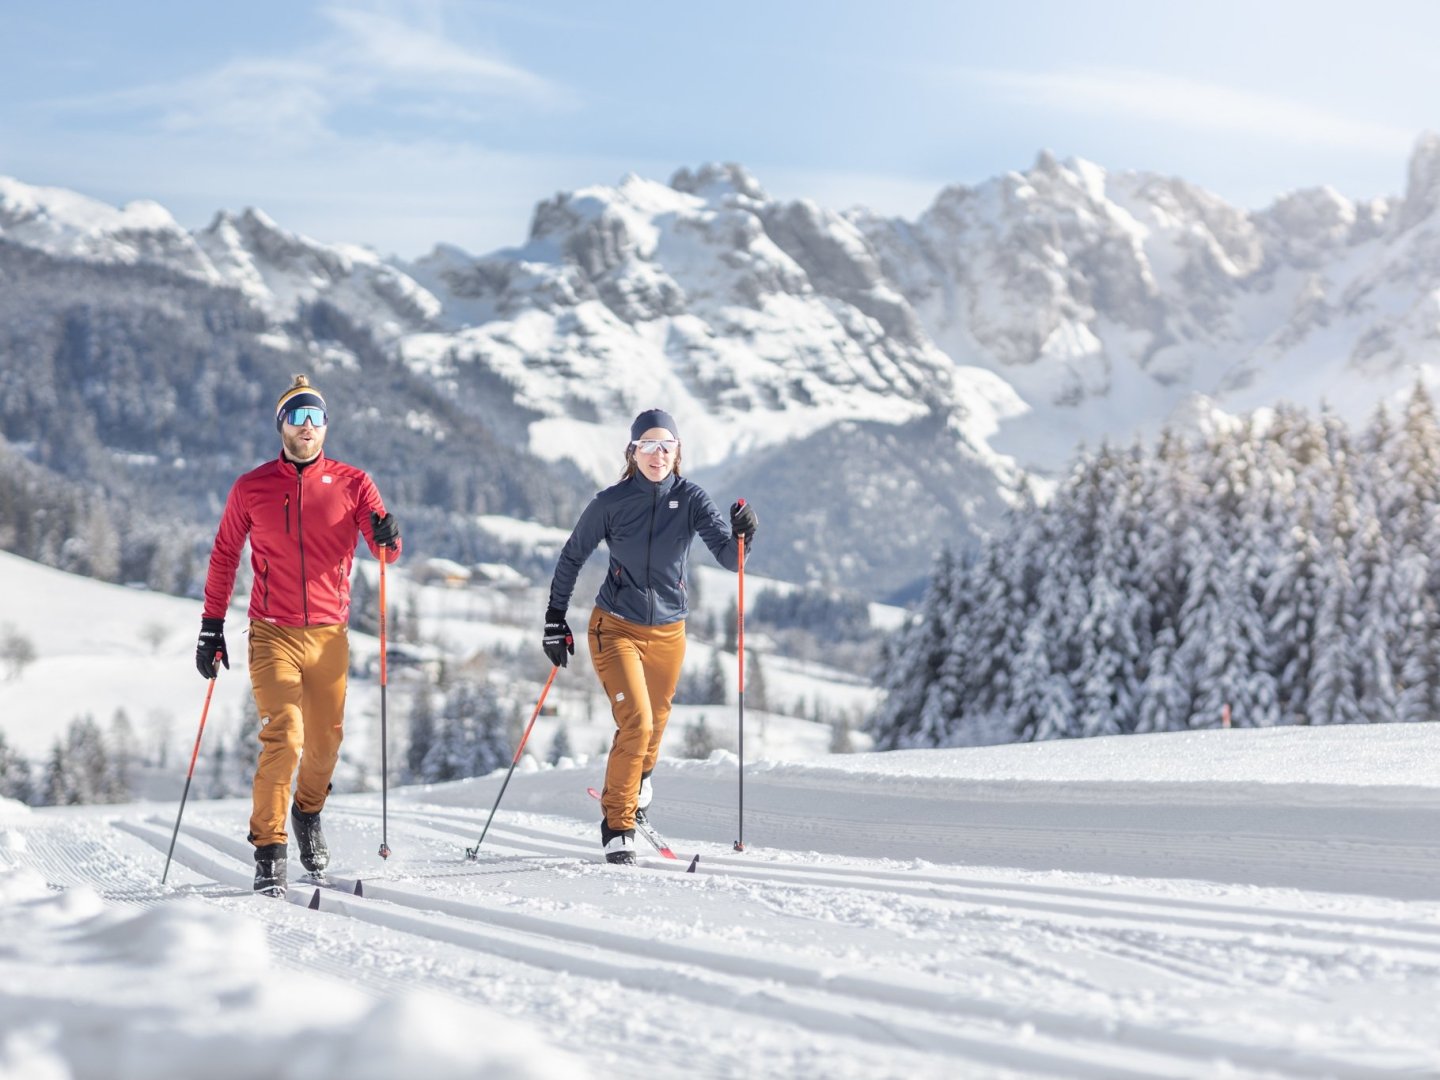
[(297, 417), (652, 446)]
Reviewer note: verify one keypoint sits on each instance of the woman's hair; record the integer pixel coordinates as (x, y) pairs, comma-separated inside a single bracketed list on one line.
[(631, 468)]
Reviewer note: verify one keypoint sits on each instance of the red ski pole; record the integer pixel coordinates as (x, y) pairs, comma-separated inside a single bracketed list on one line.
[(472, 852), (740, 673), (384, 741), (191, 773)]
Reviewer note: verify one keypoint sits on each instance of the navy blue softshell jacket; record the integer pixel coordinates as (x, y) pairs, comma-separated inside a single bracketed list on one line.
[(648, 528)]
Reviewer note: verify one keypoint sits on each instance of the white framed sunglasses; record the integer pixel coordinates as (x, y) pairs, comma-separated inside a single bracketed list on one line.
[(654, 446)]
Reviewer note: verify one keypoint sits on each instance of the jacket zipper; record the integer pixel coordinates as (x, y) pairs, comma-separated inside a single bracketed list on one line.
[(649, 544), (300, 537), (287, 515)]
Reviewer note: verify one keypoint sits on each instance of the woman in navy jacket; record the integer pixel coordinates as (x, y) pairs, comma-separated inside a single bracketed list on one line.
[(637, 628)]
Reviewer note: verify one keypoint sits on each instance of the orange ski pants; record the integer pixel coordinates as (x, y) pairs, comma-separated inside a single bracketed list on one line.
[(639, 667), (298, 674)]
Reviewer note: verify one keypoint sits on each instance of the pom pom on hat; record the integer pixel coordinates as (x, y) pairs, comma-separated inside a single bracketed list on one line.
[(652, 418), (301, 393)]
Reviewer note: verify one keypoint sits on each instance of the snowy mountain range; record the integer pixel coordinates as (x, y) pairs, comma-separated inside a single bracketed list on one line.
[(862, 378)]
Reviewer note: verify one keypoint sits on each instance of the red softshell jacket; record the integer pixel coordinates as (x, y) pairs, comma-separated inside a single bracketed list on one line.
[(302, 525)]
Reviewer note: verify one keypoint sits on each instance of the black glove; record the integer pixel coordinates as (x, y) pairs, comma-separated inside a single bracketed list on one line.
[(558, 639), (743, 521), (211, 647), (386, 529)]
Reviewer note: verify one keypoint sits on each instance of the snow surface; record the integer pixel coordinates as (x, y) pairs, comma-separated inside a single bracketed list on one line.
[(921, 914), (1249, 903)]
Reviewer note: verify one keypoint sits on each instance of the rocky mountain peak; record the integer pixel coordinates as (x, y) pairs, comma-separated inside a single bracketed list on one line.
[(714, 181), (1422, 191)]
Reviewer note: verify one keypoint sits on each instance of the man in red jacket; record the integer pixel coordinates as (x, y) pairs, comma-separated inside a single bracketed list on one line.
[(301, 513)]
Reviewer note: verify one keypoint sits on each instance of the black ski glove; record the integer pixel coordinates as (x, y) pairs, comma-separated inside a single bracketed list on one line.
[(558, 639), (386, 529), (743, 521), (211, 647)]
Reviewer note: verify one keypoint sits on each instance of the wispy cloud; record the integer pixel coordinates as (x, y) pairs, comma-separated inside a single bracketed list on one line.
[(391, 64), (390, 47), (1189, 104)]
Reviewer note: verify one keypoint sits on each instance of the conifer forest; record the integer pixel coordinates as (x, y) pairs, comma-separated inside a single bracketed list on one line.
[(1281, 571)]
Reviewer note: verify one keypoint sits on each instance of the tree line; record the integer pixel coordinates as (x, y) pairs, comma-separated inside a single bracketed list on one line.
[(1280, 571)]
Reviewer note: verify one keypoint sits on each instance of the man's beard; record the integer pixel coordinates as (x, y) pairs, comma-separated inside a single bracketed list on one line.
[(295, 450)]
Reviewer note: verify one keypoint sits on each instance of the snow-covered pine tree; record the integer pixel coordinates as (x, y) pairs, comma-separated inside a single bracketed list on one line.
[(1282, 566), (470, 735), (15, 779), (1376, 633), (58, 787), (1290, 608), (912, 661)]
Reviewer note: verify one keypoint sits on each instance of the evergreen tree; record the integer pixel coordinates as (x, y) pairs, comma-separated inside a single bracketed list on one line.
[(1293, 595), (559, 746), (1376, 634), (1331, 694), (715, 680), (422, 734), (1283, 567), (756, 696), (15, 780), (699, 741), (59, 787), (470, 735), (124, 754), (218, 786), (914, 662), (1167, 698), (89, 763)]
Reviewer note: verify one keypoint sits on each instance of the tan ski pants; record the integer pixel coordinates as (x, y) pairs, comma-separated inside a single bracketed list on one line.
[(639, 667), (298, 674)]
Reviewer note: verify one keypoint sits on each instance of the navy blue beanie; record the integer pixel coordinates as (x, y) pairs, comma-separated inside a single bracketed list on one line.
[(653, 418)]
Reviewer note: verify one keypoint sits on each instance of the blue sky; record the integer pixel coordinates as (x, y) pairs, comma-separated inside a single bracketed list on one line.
[(401, 125)]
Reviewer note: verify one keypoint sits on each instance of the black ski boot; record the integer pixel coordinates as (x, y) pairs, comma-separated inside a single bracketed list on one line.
[(270, 870), (314, 854), (619, 844)]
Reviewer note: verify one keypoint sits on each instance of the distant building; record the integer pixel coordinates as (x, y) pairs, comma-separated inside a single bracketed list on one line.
[(442, 572), (501, 576)]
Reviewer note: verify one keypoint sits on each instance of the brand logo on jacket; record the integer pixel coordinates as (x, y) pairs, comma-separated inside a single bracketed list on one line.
[(674, 504), (327, 479)]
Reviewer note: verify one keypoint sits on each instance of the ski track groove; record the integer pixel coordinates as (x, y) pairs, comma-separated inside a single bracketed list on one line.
[(1322, 929), (764, 987), (127, 882), (799, 993), (1412, 868)]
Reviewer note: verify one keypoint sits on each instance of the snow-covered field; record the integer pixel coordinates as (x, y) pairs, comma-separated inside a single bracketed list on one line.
[(1234, 903), (103, 647), (1230, 903)]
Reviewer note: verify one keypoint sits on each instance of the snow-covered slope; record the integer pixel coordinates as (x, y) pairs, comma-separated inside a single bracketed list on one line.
[(1107, 299), (757, 321), (277, 270), (1238, 903)]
